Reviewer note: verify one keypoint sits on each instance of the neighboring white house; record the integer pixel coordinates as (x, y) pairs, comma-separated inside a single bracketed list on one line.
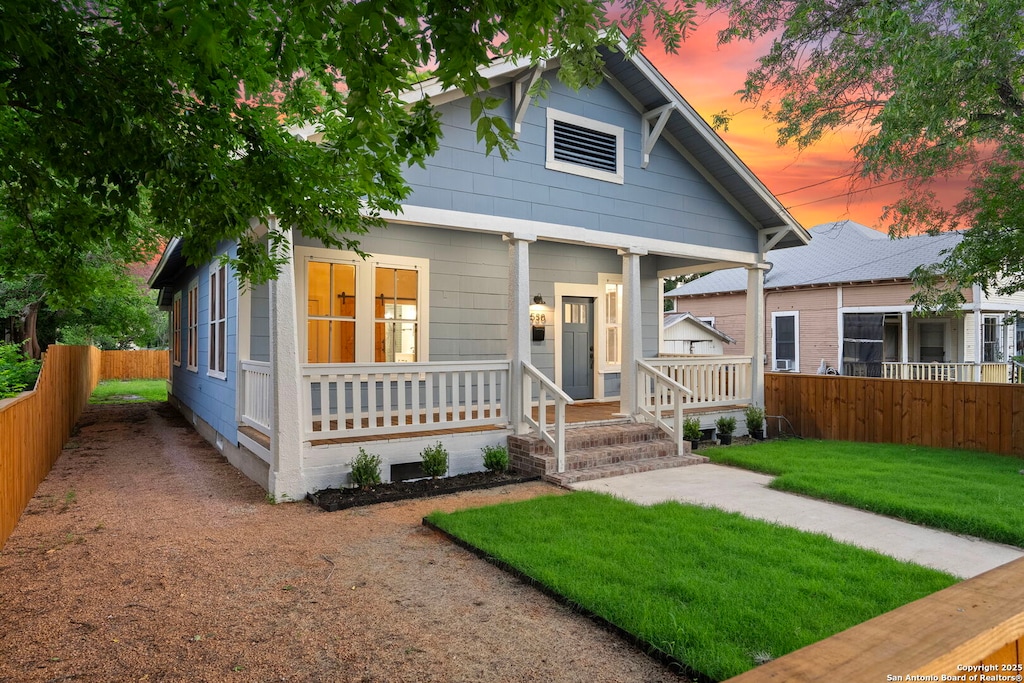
[(498, 285), (687, 335)]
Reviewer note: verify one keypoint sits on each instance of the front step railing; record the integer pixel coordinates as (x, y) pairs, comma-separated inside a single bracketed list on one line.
[(547, 393), (657, 392)]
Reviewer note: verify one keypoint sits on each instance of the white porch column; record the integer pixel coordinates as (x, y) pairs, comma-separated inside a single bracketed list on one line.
[(979, 345), (755, 329), (518, 324), (286, 480), (905, 337), (632, 335)]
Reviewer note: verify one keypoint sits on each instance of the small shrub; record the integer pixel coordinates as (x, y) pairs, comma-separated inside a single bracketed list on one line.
[(365, 469), (495, 459), (435, 460), (691, 429), (754, 416), (17, 373), (725, 425)]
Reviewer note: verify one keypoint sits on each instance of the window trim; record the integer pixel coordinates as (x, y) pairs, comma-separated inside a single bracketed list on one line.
[(796, 339), (217, 319), (365, 317), (176, 330), (192, 343), (579, 169)]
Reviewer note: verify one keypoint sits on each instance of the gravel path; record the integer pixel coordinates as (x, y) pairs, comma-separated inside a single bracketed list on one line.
[(144, 556)]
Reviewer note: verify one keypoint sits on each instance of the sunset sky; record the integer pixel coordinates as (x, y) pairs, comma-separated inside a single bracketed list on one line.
[(708, 77)]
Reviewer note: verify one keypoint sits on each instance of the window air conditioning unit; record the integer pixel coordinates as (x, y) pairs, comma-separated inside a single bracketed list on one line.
[(783, 365)]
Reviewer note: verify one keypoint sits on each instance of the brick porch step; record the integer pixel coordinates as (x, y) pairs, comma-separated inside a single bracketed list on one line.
[(597, 451), (618, 469)]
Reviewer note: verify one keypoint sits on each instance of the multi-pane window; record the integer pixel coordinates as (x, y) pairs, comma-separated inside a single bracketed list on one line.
[(176, 329), (331, 313), (364, 311), (612, 324), (992, 348), (218, 321), (192, 345), (396, 315)]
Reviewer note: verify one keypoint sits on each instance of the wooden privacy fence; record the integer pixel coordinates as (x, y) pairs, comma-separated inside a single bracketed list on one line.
[(35, 425), (984, 417), (142, 364)]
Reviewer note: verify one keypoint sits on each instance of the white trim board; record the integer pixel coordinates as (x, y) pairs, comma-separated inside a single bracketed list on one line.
[(556, 232)]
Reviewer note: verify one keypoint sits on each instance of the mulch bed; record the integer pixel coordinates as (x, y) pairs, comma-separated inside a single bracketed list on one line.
[(333, 500)]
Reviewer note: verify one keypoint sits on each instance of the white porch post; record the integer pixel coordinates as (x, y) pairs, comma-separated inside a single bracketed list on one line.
[(979, 345), (518, 324), (755, 330), (632, 335), (905, 338), (243, 338), (286, 481)]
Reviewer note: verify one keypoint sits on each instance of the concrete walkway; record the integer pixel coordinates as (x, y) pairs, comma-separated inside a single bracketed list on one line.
[(747, 493)]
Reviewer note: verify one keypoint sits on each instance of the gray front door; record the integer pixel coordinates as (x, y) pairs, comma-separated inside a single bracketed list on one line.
[(578, 346)]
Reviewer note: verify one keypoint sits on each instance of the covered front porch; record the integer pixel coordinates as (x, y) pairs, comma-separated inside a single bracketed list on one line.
[(418, 333), (346, 405)]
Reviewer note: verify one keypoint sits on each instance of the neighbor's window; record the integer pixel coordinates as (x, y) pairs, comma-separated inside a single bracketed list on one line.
[(218, 321), (992, 349), (192, 346), (786, 341), (176, 329)]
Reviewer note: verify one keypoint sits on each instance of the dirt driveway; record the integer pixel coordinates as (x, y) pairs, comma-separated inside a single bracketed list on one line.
[(144, 556)]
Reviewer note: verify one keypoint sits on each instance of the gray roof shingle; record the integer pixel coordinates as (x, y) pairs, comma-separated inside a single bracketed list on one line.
[(843, 251)]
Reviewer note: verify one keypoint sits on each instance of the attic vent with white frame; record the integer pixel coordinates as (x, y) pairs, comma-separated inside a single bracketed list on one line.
[(584, 147)]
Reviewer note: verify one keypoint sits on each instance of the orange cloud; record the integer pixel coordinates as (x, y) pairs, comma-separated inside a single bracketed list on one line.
[(817, 185)]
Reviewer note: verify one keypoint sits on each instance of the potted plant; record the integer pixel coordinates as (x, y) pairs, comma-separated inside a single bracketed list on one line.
[(726, 426), (691, 431), (755, 421)]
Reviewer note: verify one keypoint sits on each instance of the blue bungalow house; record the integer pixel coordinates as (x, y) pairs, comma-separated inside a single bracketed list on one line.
[(507, 302)]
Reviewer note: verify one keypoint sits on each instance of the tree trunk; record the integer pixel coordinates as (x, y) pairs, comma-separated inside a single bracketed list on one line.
[(26, 333)]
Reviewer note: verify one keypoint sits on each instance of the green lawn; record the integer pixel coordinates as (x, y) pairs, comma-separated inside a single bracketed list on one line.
[(130, 391), (962, 491), (717, 591)]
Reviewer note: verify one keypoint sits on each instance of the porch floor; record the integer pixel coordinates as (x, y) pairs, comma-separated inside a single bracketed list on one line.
[(576, 414)]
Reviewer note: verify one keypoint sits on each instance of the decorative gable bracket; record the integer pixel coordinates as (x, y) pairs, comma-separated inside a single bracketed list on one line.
[(652, 133), (521, 96)]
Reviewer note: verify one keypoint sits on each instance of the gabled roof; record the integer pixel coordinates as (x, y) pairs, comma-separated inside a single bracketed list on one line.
[(672, 319), (840, 252), (640, 83)]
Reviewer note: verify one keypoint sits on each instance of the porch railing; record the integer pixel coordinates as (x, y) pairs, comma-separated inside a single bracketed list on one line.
[(657, 392), (712, 380), (948, 372), (354, 400), (256, 392), (547, 393)]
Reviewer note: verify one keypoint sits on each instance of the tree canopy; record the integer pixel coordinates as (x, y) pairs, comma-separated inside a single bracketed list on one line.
[(115, 110), (937, 86)]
